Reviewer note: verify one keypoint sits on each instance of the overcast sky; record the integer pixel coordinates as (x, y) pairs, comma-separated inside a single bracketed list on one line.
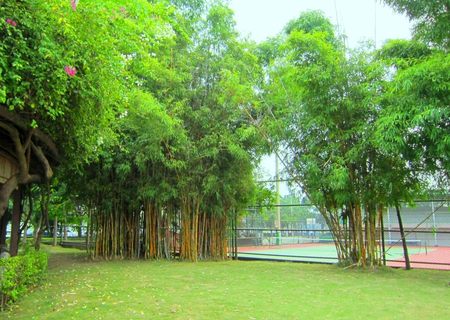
[(358, 19)]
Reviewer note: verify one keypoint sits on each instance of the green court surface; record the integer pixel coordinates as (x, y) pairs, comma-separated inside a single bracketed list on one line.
[(316, 253)]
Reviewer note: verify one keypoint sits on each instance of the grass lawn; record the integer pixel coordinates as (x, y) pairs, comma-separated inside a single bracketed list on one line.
[(77, 288)]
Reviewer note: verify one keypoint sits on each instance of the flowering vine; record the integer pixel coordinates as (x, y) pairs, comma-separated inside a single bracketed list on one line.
[(11, 22), (70, 71)]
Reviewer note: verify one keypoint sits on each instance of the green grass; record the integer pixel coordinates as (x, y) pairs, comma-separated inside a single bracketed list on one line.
[(77, 288)]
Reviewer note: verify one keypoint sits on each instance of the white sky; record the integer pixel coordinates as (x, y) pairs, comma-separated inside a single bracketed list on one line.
[(358, 19)]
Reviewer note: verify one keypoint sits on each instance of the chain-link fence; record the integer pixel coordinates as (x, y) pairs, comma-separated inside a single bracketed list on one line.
[(307, 238)]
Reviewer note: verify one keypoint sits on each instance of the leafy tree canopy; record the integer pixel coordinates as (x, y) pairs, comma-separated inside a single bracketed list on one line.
[(431, 19), (67, 70), (415, 109)]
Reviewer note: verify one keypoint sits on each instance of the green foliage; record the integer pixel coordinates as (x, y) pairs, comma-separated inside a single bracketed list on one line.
[(403, 53), (112, 48), (414, 118), (431, 19), (180, 134), (324, 103), (326, 114), (156, 95), (414, 121), (20, 273), (311, 22), (268, 50)]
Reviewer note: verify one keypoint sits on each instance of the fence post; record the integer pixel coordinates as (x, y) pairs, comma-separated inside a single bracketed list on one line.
[(402, 234)]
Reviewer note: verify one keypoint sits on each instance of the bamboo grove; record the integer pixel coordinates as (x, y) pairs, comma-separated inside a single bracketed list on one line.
[(327, 102), (168, 203), (181, 163)]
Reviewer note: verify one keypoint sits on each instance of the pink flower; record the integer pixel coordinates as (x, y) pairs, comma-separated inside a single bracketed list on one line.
[(122, 9), (70, 71), (8, 21), (74, 4), (12, 22)]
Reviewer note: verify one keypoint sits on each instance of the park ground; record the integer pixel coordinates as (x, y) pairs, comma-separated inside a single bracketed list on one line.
[(79, 288)]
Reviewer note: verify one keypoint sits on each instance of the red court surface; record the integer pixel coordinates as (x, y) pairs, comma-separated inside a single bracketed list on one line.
[(437, 258)]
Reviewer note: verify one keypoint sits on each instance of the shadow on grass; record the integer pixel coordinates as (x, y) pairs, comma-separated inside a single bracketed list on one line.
[(60, 257)]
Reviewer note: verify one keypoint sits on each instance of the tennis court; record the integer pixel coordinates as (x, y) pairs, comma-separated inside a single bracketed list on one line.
[(420, 257)]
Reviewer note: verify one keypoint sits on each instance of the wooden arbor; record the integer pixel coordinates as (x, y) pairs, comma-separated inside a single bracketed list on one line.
[(27, 156), (9, 167)]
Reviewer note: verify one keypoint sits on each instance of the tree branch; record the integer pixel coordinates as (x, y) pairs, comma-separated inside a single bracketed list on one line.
[(20, 153), (23, 125), (48, 172)]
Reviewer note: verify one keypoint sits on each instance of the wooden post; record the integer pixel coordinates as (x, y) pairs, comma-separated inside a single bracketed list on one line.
[(14, 244), (55, 231), (3, 227)]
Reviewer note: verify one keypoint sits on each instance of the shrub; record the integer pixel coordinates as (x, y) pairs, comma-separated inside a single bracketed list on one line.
[(20, 273)]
